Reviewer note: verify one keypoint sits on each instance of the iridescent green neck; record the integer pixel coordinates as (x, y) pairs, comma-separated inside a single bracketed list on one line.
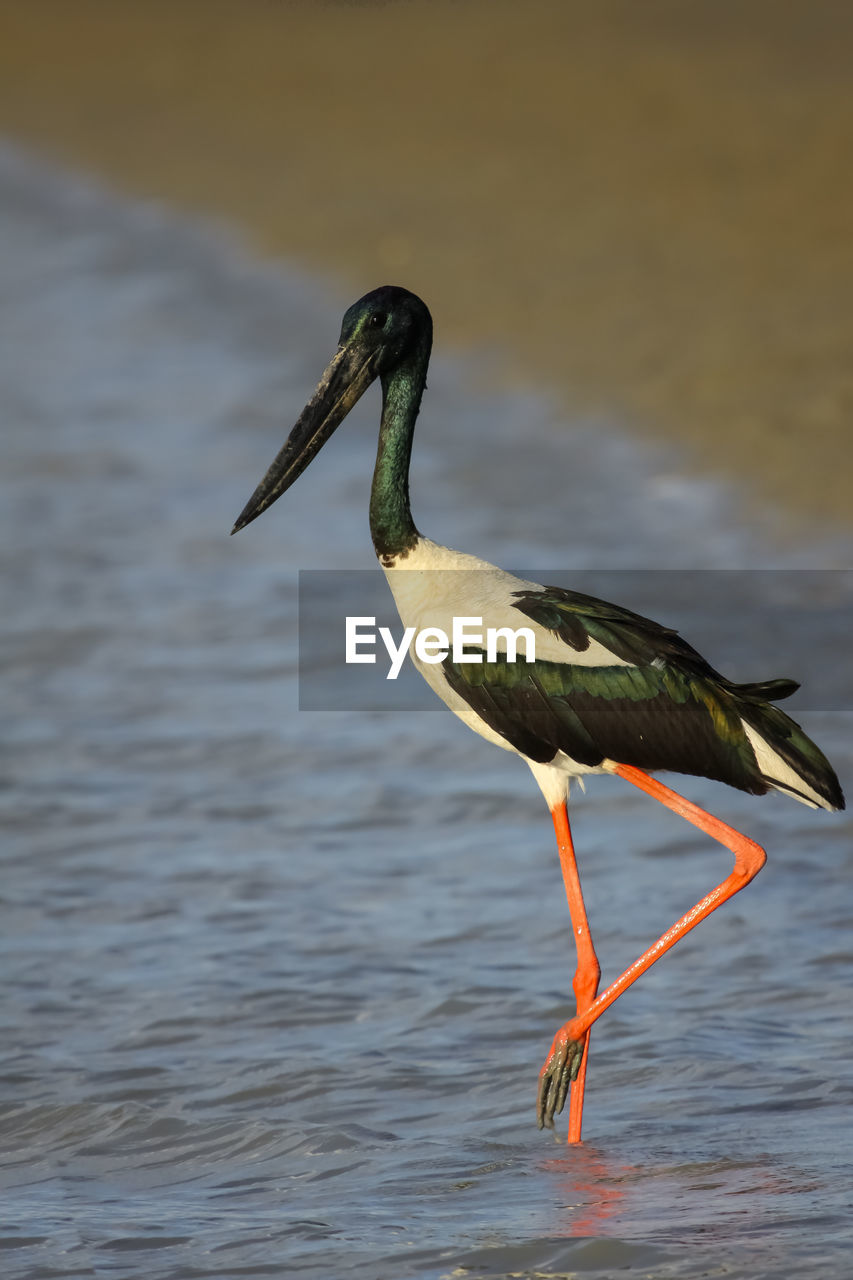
[(391, 525)]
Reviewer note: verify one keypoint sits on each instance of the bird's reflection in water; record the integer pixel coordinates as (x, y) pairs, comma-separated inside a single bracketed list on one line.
[(600, 1195), (590, 1187)]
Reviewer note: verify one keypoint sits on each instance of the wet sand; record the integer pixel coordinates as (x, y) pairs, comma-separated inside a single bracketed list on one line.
[(646, 208)]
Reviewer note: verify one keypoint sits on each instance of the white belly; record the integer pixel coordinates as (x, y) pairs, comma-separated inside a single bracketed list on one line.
[(432, 585)]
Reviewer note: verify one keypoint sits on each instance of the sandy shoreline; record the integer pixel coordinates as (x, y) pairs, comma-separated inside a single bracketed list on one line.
[(648, 209)]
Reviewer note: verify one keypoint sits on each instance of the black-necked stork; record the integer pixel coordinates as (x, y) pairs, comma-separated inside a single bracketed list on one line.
[(609, 691)]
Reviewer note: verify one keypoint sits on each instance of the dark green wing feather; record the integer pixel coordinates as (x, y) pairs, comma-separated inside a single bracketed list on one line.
[(651, 717), (670, 710), (578, 619)]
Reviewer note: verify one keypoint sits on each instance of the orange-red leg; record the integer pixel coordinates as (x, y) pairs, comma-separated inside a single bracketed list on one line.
[(588, 971), (567, 1046)]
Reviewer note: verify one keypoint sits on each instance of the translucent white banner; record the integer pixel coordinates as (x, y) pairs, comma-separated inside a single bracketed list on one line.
[(750, 625)]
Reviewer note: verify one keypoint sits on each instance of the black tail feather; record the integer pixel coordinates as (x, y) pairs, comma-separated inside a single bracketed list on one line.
[(767, 690), (797, 750)]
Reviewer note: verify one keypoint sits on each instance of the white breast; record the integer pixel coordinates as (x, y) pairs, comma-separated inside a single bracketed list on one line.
[(432, 585)]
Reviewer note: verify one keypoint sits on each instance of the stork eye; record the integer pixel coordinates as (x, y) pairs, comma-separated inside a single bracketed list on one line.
[(377, 319)]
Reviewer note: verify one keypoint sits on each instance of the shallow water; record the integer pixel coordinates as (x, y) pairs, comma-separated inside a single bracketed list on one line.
[(278, 984)]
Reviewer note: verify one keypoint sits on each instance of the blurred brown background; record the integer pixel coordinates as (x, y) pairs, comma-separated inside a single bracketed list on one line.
[(643, 206)]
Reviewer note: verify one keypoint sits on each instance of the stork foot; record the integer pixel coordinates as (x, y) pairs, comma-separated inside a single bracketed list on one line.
[(561, 1068)]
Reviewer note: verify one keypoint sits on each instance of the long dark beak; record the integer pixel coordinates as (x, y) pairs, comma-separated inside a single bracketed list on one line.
[(347, 377)]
